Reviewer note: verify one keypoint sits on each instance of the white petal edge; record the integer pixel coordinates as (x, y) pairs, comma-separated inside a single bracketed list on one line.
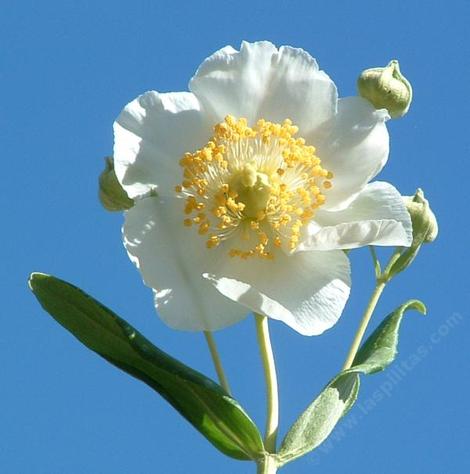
[(377, 216), (151, 135), (307, 290), (171, 259), (260, 81), (355, 151)]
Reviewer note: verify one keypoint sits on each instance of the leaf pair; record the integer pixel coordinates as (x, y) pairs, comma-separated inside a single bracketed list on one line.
[(337, 398), (201, 401)]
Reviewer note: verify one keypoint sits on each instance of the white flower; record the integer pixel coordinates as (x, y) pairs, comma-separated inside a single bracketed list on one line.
[(248, 187)]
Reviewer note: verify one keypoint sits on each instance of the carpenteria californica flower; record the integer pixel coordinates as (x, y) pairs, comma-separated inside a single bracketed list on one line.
[(248, 188)]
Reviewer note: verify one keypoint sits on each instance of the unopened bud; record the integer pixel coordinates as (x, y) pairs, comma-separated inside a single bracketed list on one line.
[(425, 230), (423, 219), (386, 88), (112, 195)]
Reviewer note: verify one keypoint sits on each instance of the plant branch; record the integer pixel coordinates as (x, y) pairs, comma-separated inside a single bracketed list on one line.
[(272, 419), (217, 361)]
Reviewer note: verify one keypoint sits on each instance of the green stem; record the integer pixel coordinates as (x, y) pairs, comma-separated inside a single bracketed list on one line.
[(377, 268), (395, 256), (266, 351), (267, 465), (363, 325), (382, 279), (217, 362)]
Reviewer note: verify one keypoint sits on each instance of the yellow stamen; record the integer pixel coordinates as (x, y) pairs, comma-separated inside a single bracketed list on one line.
[(257, 184)]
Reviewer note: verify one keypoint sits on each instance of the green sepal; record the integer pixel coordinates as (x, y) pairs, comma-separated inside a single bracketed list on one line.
[(112, 195), (318, 421), (197, 398)]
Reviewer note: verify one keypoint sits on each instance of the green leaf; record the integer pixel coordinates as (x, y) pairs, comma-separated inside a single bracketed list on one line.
[(201, 401), (380, 348), (319, 419), (337, 398)]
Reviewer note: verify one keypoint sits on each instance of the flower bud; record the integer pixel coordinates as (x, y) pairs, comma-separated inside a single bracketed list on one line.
[(425, 230), (111, 194), (386, 88), (423, 219)]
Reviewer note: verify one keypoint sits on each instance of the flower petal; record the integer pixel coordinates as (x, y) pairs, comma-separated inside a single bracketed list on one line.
[(307, 290), (378, 216), (355, 151), (150, 136), (171, 260), (263, 82)]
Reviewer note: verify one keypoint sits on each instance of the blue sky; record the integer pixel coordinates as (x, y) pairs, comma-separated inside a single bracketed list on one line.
[(66, 70)]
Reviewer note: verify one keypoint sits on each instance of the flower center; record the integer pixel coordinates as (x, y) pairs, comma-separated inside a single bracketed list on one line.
[(253, 186), (253, 189)]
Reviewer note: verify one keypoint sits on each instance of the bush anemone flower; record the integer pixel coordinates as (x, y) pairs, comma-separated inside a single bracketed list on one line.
[(248, 188)]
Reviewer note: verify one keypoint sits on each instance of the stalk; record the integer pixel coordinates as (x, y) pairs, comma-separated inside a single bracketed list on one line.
[(217, 361), (267, 356)]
